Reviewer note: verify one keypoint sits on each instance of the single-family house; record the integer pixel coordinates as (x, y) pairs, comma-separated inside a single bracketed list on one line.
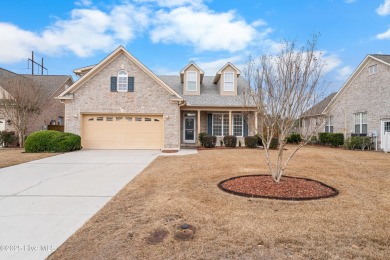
[(362, 105), (121, 104), (52, 112)]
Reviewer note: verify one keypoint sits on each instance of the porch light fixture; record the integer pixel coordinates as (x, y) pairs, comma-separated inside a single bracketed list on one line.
[(76, 116)]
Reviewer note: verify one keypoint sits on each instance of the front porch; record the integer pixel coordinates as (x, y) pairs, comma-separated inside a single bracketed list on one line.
[(216, 121)]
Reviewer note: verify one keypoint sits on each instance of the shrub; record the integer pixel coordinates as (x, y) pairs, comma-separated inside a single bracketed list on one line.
[(251, 141), (294, 138), (52, 141), (201, 138), (239, 143), (7, 138), (324, 138), (336, 139), (220, 143), (258, 139), (313, 140), (358, 142), (274, 143), (209, 141), (230, 140)]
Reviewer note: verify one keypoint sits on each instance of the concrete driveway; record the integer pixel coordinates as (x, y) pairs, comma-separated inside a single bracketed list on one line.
[(42, 203)]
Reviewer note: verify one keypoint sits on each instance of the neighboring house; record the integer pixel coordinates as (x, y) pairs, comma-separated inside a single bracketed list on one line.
[(314, 117), (52, 112), (362, 106), (120, 104)]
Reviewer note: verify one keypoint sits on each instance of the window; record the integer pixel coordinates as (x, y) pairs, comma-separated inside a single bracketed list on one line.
[(361, 123), (148, 119), (99, 118), (109, 118), (191, 80), (372, 69), (329, 125), (122, 81), (129, 118), (238, 124), (220, 124), (228, 84), (138, 119)]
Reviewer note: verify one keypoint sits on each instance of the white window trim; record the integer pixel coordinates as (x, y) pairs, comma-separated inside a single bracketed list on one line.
[(329, 123), (360, 123), (242, 124), (222, 124), (196, 81), (127, 81), (373, 69), (224, 81)]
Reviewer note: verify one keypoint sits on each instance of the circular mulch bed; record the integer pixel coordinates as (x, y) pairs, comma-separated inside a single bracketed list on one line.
[(289, 188)]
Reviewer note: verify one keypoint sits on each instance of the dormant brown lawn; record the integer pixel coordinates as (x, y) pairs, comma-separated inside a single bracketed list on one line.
[(13, 156), (176, 190)]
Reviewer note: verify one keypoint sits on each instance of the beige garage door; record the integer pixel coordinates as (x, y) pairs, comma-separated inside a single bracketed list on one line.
[(122, 132)]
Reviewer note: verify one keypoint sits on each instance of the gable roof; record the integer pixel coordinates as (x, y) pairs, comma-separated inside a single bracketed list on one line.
[(201, 72), (318, 108), (49, 83), (67, 94), (209, 92), (384, 59), (218, 75)]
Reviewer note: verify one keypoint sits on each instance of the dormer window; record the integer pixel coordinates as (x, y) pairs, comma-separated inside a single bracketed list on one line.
[(228, 81), (122, 81), (372, 69), (191, 80)]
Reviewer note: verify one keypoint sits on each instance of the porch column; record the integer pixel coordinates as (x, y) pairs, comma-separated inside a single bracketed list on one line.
[(256, 126), (230, 123), (198, 123)]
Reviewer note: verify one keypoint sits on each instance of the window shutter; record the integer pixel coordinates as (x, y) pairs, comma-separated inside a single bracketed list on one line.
[(130, 83), (210, 124), (245, 126), (113, 84)]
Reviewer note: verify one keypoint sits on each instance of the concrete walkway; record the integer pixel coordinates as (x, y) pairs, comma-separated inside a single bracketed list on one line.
[(42, 203)]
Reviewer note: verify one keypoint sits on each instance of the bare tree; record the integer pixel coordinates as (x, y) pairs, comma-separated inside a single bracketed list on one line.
[(281, 87), (21, 102)]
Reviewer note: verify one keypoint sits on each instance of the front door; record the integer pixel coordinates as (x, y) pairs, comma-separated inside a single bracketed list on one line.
[(189, 130), (385, 127)]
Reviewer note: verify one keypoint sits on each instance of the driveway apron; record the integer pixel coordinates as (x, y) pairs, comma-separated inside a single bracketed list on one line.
[(42, 203)]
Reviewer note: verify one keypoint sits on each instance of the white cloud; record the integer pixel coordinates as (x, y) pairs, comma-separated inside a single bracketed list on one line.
[(87, 31), (384, 36), (204, 29), (83, 3), (173, 3), (350, 1), (384, 9), (331, 62), (212, 67), (344, 72)]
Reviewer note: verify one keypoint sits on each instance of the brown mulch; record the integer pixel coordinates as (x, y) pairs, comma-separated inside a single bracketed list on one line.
[(288, 187)]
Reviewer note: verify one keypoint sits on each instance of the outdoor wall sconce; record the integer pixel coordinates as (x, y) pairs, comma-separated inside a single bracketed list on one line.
[(76, 116)]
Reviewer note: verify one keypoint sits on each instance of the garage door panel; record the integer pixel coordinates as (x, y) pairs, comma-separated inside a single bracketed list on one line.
[(122, 132)]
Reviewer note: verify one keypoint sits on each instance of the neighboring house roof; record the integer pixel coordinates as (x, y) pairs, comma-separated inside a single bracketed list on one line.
[(68, 93), (318, 108), (384, 59), (209, 92), (51, 83)]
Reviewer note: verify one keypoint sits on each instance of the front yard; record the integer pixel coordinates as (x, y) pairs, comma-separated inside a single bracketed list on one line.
[(176, 190), (14, 156)]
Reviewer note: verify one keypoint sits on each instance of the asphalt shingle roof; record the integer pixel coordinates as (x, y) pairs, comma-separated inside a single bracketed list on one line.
[(385, 58), (209, 92), (318, 108)]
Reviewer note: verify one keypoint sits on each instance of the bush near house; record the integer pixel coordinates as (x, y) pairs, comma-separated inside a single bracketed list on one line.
[(274, 143), (251, 141), (52, 141), (209, 141), (201, 138), (7, 138), (358, 142), (332, 139), (230, 140), (294, 138)]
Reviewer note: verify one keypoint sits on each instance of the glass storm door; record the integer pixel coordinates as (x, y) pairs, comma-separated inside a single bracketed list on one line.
[(189, 130), (385, 128)]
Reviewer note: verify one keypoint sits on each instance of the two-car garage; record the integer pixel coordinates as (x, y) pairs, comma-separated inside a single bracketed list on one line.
[(107, 131)]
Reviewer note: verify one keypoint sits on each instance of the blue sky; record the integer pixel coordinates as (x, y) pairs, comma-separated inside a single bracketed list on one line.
[(166, 34)]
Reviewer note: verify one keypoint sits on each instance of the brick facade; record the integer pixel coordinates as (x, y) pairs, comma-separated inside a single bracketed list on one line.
[(149, 97)]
